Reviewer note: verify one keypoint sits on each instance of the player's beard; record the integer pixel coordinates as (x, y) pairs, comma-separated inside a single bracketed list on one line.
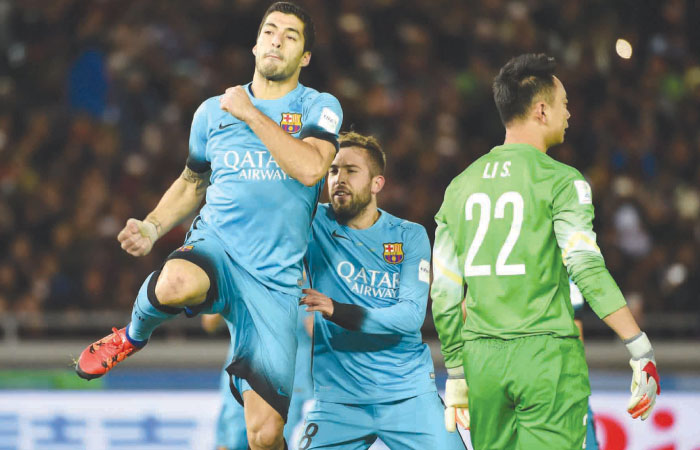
[(274, 72), (346, 211)]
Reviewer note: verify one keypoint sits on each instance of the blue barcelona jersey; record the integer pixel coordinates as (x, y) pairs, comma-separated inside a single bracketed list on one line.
[(385, 269), (261, 214)]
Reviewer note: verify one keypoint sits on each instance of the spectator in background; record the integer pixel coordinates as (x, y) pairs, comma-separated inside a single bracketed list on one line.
[(111, 86)]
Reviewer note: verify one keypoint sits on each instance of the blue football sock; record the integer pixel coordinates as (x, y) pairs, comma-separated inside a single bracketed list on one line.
[(148, 313)]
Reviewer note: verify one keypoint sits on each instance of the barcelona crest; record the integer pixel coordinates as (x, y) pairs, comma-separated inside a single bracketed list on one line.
[(393, 252), (291, 122)]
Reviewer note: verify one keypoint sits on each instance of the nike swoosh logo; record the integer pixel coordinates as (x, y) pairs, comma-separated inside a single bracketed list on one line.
[(280, 392), (222, 126), (336, 235)]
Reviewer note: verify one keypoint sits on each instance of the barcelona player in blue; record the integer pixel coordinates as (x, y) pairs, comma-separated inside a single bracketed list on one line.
[(258, 152), (230, 425), (370, 274)]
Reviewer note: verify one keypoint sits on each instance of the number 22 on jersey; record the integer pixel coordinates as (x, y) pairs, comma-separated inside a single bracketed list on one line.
[(484, 203)]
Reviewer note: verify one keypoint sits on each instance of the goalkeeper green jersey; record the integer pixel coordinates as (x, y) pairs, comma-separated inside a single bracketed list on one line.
[(513, 227)]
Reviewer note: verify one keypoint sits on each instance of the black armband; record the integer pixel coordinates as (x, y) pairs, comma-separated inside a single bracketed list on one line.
[(348, 316), (198, 166), (320, 133)]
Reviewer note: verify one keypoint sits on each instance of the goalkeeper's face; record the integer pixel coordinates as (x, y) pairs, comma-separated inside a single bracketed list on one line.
[(559, 115), (351, 186), (279, 49)]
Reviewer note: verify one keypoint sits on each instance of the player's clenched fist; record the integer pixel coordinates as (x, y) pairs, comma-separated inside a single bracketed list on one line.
[(137, 237), (236, 102)]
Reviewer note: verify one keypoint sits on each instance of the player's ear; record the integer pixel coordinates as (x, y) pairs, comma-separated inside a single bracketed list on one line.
[(255, 49), (377, 184), (540, 112), (305, 59)]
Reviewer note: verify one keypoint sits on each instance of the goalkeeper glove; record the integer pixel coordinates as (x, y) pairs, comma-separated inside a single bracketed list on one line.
[(456, 400), (645, 379)]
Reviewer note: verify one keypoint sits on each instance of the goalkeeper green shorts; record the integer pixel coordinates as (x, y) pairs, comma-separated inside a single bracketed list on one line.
[(529, 393)]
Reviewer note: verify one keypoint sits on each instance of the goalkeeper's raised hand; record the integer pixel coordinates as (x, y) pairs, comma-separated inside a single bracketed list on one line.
[(645, 379), (456, 400)]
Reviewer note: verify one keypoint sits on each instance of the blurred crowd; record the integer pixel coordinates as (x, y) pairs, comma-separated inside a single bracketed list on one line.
[(96, 99)]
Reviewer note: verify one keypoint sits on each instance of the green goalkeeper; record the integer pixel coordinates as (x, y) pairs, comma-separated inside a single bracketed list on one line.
[(513, 227)]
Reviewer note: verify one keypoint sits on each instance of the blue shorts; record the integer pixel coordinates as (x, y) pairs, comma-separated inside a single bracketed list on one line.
[(415, 423), (230, 426), (264, 321)]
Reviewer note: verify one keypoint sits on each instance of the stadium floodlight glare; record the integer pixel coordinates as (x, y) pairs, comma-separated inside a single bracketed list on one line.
[(623, 48)]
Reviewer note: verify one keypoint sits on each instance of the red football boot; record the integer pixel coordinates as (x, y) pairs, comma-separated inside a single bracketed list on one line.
[(101, 356)]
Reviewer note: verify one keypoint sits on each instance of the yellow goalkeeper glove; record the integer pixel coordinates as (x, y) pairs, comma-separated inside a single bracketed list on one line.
[(456, 400)]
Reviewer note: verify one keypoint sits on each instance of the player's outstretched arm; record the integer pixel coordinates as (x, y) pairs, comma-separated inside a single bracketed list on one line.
[(180, 200), (573, 217), (403, 318), (307, 160)]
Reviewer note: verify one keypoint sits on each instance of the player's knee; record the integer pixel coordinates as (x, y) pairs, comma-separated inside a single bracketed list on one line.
[(265, 433), (181, 283), (170, 289)]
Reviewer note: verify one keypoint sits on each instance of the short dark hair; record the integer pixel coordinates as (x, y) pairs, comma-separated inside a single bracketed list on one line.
[(377, 157), (301, 14), (520, 81)]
